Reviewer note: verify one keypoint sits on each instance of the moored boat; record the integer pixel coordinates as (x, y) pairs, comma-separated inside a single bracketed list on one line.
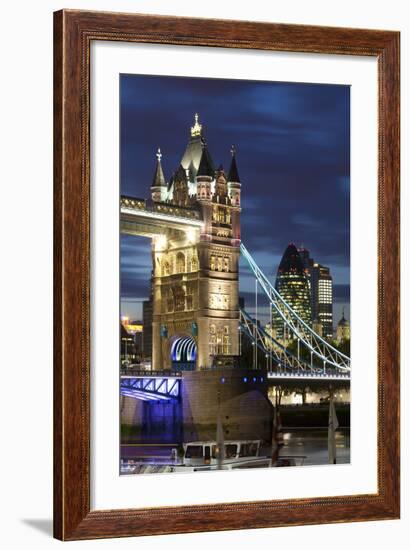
[(231, 455)]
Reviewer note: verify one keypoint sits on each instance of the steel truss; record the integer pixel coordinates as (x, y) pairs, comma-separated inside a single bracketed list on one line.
[(285, 364), (329, 355), (151, 388), (282, 358)]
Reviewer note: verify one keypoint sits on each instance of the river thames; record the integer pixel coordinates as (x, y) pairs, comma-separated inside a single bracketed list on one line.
[(302, 447), (312, 444)]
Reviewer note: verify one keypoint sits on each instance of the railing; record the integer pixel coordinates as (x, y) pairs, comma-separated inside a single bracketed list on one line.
[(129, 371), (136, 204), (311, 375), (160, 208)]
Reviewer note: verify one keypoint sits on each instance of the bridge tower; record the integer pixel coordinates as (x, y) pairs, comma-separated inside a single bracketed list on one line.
[(195, 273)]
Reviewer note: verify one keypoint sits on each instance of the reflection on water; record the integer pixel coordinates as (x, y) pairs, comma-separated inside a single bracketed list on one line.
[(312, 443)]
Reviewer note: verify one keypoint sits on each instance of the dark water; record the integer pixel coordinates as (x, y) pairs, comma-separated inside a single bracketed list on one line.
[(312, 443), (307, 446)]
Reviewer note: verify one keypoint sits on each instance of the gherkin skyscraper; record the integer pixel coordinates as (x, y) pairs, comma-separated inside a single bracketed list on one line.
[(293, 285)]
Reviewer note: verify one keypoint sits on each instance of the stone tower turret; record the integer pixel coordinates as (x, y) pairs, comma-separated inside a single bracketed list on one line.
[(159, 188), (204, 177), (196, 280), (234, 183)]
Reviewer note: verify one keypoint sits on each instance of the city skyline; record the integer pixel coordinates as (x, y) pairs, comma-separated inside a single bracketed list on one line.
[(269, 123)]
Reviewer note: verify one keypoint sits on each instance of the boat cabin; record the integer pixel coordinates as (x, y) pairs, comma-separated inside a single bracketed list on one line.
[(208, 452)]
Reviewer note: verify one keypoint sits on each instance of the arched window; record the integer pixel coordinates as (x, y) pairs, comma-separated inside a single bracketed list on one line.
[(221, 215), (194, 263), (189, 298), (170, 301), (212, 344), (166, 269), (179, 299), (212, 339), (180, 263), (218, 347), (226, 341)]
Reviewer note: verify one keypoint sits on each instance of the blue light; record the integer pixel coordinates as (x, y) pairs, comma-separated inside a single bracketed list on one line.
[(261, 379), (254, 379), (223, 380), (183, 350), (245, 379)]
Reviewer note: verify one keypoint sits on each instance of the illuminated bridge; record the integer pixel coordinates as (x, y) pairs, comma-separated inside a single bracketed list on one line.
[(193, 219), (315, 359), (166, 386), (147, 218), (158, 386)]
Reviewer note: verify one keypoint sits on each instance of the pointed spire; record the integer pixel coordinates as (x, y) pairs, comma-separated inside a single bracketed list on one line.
[(159, 179), (233, 175), (205, 166), (343, 321), (196, 129)]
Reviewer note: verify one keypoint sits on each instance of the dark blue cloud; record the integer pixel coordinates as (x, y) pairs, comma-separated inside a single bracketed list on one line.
[(293, 157)]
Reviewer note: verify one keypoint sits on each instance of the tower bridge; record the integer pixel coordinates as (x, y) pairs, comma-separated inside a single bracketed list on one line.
[(193, 221)]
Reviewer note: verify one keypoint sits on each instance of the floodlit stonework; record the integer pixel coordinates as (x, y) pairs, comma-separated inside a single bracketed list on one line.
[(195, 273)]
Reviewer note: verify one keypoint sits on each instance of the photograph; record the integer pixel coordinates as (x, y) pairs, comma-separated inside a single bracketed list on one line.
[(234, 273), (226, 287)]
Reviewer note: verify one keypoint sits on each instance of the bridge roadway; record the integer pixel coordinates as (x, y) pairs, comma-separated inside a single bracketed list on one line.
[(141, 217)]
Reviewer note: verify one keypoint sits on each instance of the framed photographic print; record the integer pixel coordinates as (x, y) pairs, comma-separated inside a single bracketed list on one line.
[(226, 275)]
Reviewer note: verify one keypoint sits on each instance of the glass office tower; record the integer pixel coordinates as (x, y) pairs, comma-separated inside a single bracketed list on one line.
[(293, 285)]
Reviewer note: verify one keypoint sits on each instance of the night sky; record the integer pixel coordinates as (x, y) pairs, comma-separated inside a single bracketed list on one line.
[(292, 143)]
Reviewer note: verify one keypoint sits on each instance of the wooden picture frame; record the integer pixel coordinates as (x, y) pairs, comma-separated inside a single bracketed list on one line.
[(74, 32)]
